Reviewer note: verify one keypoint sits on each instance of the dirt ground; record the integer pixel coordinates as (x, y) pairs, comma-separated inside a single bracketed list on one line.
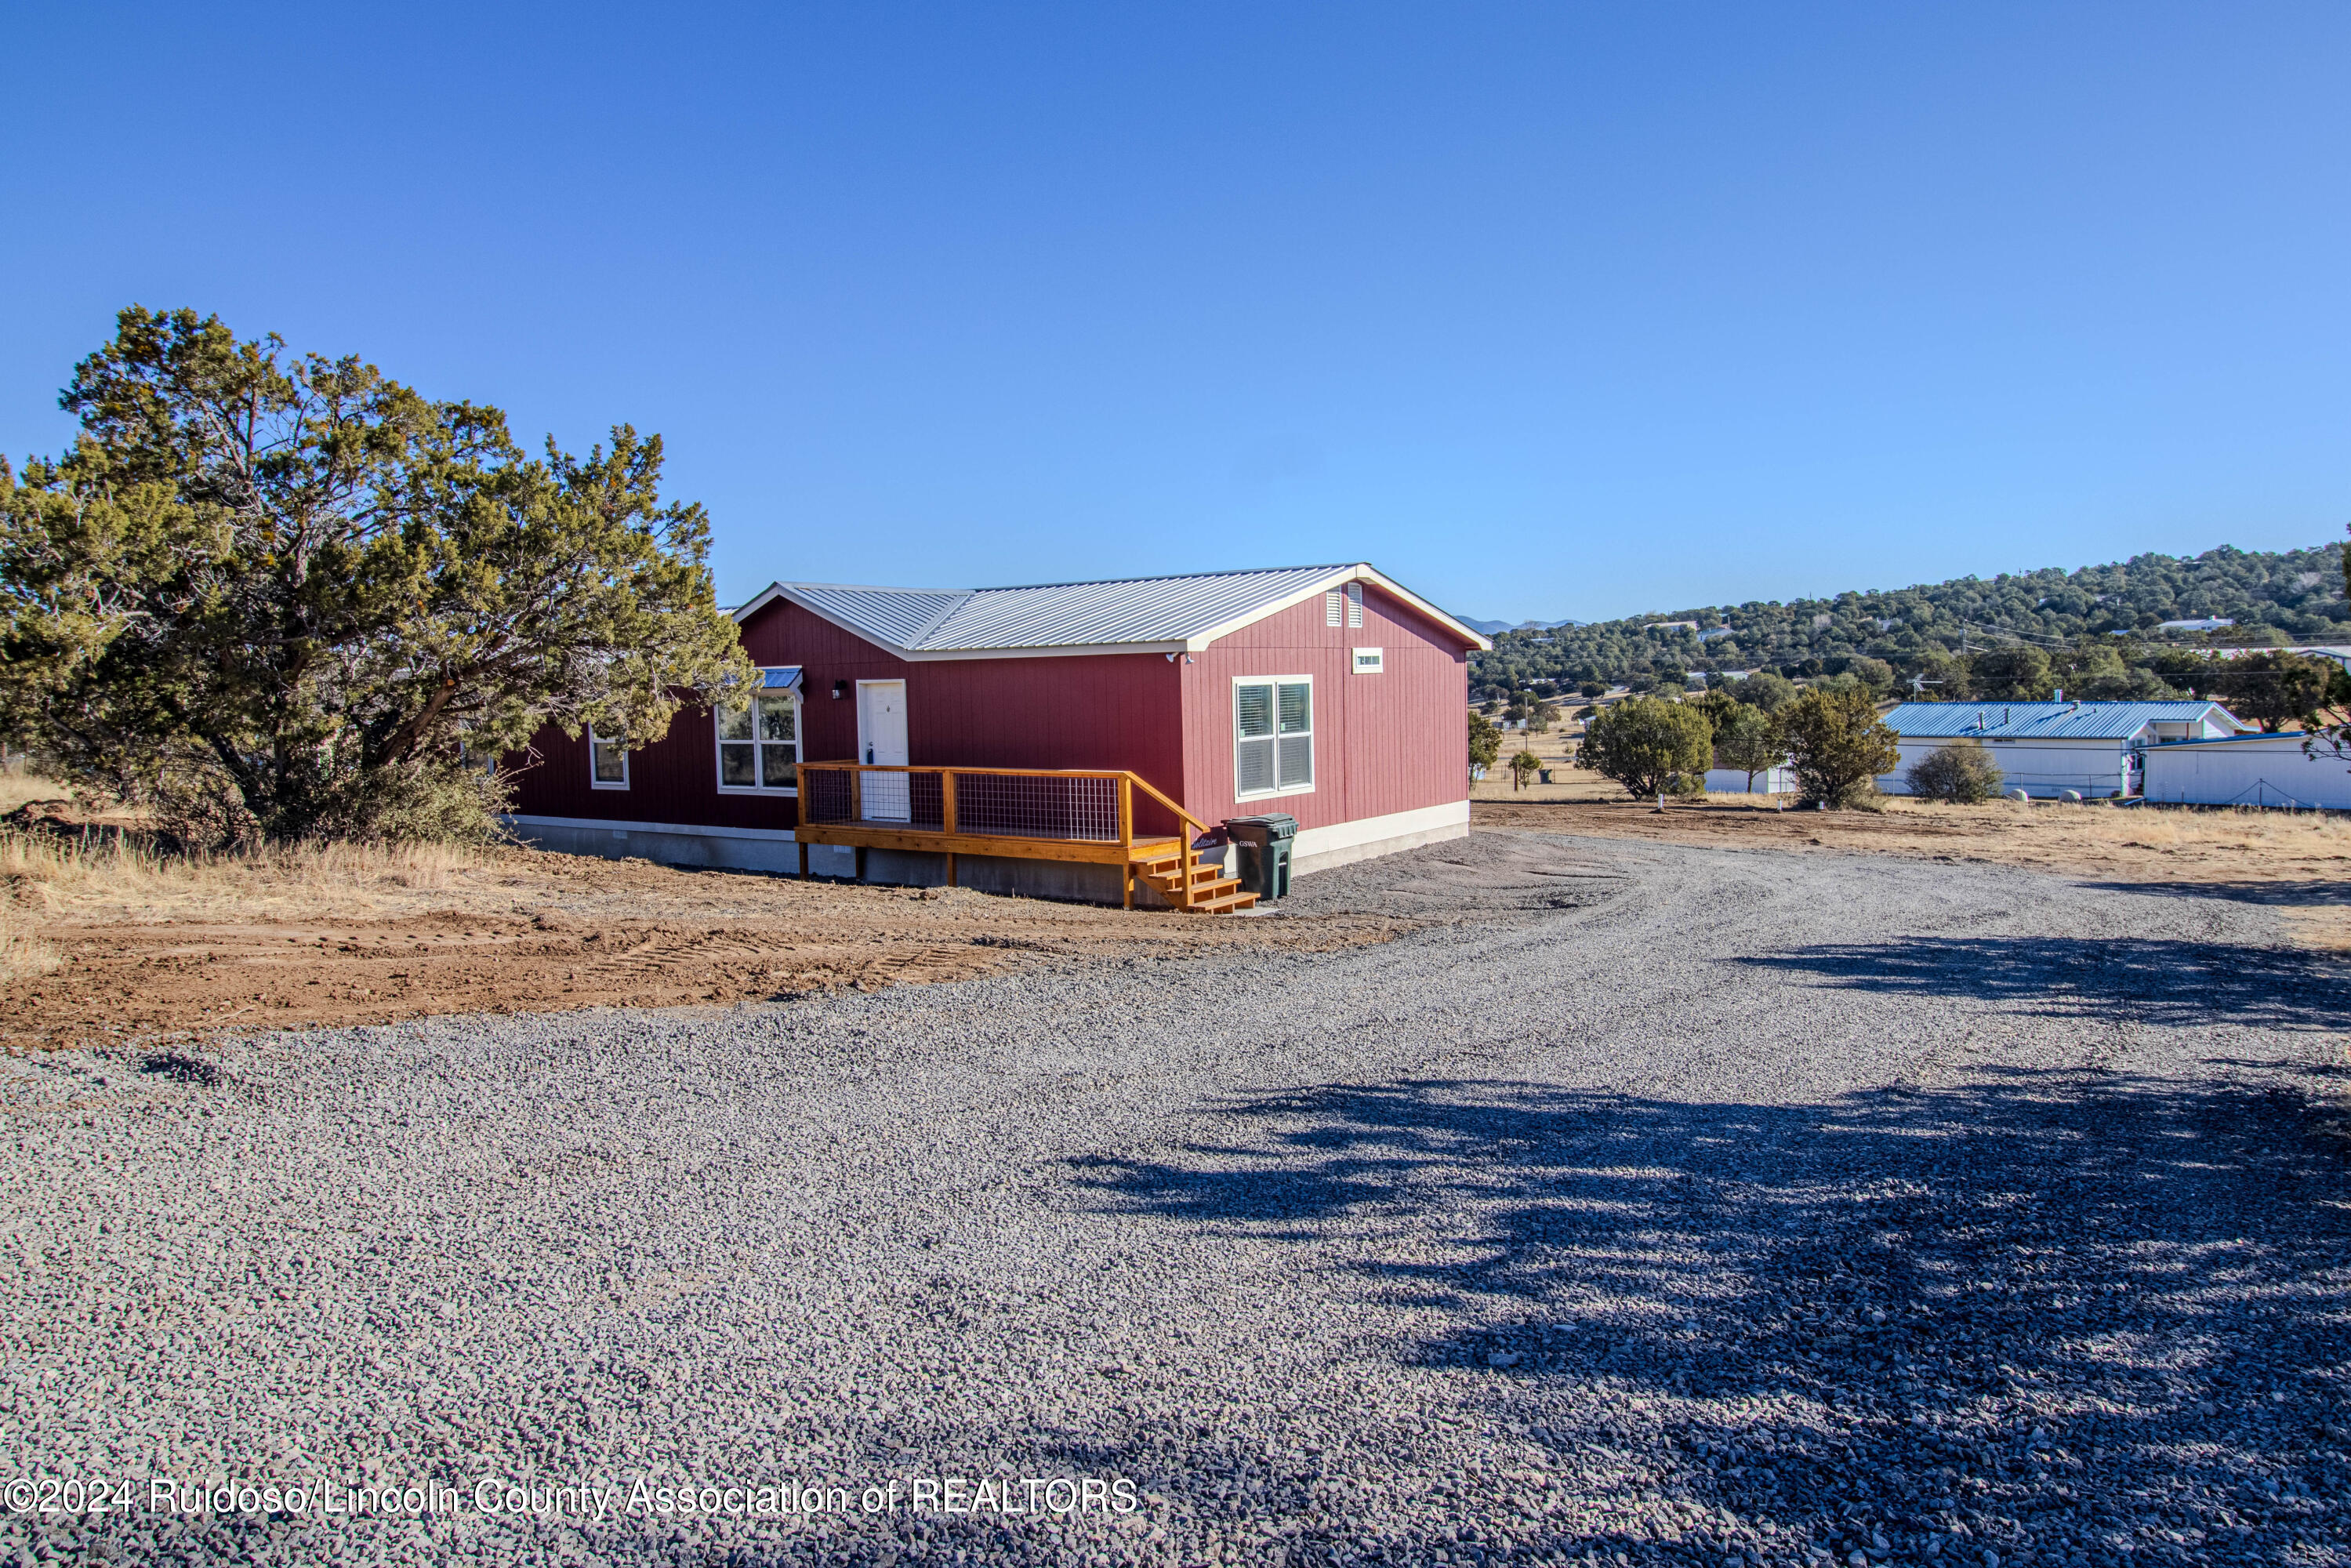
[(150, 951), (100, 945), (2299, 860)]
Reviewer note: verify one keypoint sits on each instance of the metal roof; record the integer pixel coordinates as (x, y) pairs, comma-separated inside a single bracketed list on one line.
[(897, 615), (2046, 721), (1144, 613)]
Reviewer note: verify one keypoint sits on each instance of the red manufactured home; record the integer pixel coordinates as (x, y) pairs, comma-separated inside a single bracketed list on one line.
[(1072, 739)]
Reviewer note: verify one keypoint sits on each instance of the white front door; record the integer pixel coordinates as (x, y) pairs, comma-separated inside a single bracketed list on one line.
[(881, 738)]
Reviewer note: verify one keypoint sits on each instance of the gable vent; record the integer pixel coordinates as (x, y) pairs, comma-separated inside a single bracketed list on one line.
[(1331, 607), (1355, 604)]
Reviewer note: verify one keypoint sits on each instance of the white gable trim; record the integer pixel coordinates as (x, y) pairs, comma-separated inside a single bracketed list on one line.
[(1362, 572)]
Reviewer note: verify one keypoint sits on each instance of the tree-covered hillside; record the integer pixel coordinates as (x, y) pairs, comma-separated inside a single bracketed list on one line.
[(2293, 596)]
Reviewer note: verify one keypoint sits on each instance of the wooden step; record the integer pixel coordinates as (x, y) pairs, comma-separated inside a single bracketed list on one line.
[(1210, 895), (1169, 880), (1176, 893)]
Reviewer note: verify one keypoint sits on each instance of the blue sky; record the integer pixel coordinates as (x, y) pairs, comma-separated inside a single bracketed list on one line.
[(1546, 309)]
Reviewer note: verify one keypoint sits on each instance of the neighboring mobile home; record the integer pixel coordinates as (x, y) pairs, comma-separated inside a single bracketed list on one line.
[(2046, 748), (1015, 738), (2248, 770)]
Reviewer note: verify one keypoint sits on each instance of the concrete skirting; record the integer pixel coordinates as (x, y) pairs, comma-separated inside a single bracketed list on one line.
[(775, 849), (684, 845), (1075, 882), (1321, 849)]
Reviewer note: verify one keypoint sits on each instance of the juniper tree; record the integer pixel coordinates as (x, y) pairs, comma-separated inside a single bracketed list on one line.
[(1747, 739), (1836, 743), (1647, 744), (284, 596)]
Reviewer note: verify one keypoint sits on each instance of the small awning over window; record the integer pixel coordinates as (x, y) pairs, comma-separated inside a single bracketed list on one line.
[(781, 677)]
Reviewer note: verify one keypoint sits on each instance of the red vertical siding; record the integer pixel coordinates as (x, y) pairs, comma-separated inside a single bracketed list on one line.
[(1396, 741), (1114, 710)]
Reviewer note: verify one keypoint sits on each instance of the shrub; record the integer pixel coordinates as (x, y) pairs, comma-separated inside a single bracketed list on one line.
[(1765, 690), (1962, 773), (1748, 740), (1485, 741), (1651, 747), (1837, 745)]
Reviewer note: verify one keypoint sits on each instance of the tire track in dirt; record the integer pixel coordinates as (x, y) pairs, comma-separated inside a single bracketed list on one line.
[(123, 981)]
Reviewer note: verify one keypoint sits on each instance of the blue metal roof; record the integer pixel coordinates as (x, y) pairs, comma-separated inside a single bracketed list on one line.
[(2046, 721)]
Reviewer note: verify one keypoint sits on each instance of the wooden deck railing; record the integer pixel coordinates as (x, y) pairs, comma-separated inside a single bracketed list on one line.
[(994, 809)]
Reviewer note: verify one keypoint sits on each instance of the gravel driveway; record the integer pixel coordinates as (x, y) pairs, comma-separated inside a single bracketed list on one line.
[(1645, 1205)]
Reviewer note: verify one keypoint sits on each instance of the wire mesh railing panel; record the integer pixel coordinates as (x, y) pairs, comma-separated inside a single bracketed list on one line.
[(825, 795), (987, 805), (1025, 806), (925, 801)]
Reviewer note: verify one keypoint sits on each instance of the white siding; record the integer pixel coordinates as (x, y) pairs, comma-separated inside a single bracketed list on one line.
[(2041, 768), (2270, 771), (1731, 781)]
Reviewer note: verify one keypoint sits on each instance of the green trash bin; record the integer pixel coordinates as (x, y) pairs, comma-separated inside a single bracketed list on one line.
[(1264, 842)]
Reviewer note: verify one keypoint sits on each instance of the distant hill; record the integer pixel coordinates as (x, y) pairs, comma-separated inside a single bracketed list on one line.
[(2289, 596), (1490, 628)]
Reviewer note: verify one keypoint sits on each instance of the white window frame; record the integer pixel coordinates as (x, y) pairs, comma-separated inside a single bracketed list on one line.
[(1312, 773), (718, 744), (595, 740), (1378, 665)]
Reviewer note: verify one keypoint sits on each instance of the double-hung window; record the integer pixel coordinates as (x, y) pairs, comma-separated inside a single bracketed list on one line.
[(608, 763), (759, 744), (1273, 735)]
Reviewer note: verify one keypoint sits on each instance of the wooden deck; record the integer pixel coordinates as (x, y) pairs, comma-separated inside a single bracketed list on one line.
[(1083, 815)]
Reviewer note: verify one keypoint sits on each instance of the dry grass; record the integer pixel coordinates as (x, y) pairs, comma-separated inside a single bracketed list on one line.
[(22, 955), (2298, 861), (2269, 834), (17, 786), (111, 876)]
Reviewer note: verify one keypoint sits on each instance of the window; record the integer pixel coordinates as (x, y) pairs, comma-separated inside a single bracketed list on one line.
[(1331, 602), (1273, 736), (1371, 661), (759, 745), (1355, 604), (608, 764)]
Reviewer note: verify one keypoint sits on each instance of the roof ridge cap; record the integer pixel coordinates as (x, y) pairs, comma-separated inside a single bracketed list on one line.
[(872, 588), (963, 596), (1166, 577)]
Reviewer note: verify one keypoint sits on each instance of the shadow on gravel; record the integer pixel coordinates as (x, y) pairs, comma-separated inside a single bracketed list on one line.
[(2059, 1311), (2147, 979), (2306, 891)]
